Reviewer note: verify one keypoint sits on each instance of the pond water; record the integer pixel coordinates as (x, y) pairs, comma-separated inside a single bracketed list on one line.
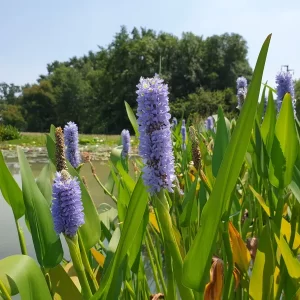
[(37, 159)]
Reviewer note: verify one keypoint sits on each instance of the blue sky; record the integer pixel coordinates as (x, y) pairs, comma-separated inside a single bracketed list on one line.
[(36, 32)]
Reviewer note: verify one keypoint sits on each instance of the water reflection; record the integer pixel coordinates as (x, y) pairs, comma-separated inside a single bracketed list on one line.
[(8, 234)]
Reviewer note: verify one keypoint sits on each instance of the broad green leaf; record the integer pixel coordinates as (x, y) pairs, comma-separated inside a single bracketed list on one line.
[(47, 244), (134, 253), (262, 278), (134, 218), (196, 267), (24, 273), (268, 125), (286, 133), (291, 261), (45, 180), (262, 157), (132, 119), (91, 231), (221, 143), (285, 225), (295, 184), (10, 190), (277, 164), (189, 205), (62, 285)]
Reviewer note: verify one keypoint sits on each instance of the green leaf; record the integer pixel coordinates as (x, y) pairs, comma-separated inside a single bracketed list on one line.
[(269, 87), (268, 125), (132, 119), (196, 267), (261, 106), (295, 184), (62, 285), (10, 190), (286, 133), (134, 253), (47, 244), (91, 231), (292, 263), (21, 271), (45, 180), (262, 277), (189, 205), (221, 142), (133, 220)]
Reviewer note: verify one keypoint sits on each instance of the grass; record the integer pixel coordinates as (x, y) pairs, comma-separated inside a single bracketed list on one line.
[(36, 139)]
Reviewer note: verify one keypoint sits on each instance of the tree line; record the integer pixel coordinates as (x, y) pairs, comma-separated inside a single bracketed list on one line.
[(91, 90)]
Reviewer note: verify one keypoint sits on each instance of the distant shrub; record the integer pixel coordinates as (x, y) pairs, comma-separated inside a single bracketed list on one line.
[(8, 132), (12, 115), (84, 141)]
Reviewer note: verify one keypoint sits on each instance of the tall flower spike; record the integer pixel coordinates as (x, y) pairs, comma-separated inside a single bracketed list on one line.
[(155, 134), (284, 84), (60, 150), (67, 209), (174, 123), (209, 123), (241, 86), (196, 154), (71, 142), (183, 134), (125, 142)]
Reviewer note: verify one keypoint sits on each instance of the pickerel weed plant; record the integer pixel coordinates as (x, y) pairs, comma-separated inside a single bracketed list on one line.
[(211, 212)]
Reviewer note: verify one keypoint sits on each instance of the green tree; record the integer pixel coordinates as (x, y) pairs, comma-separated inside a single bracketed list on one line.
[(39, 104)]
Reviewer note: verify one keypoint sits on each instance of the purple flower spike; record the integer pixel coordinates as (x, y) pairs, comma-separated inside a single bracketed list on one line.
[(284, 82), (183, 134), (125, 142), (241, 86), (67, 209), (155, 134), (71, 142), (209, 123)]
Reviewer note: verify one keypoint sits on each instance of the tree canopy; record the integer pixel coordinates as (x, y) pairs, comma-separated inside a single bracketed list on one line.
[(91, 90)]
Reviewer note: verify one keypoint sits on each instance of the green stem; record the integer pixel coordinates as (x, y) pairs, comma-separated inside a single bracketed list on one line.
[(152, 266), (129, 289), (106, 191), (229, 274), (86, 263), (171, 290), (78, 265), (281, 279), (279, 209), (160, 273), (21, 238), (170, 242), (5, 294)]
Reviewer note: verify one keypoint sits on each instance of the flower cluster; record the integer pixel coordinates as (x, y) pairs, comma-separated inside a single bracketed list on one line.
[(67, 209), (241, 86), (125, 142), (183, 134), (284, 84), (155, 134), (71, 142), (209, 123), (174, 123)]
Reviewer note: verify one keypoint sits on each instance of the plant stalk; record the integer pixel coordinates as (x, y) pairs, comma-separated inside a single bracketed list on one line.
[(78, 265)]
